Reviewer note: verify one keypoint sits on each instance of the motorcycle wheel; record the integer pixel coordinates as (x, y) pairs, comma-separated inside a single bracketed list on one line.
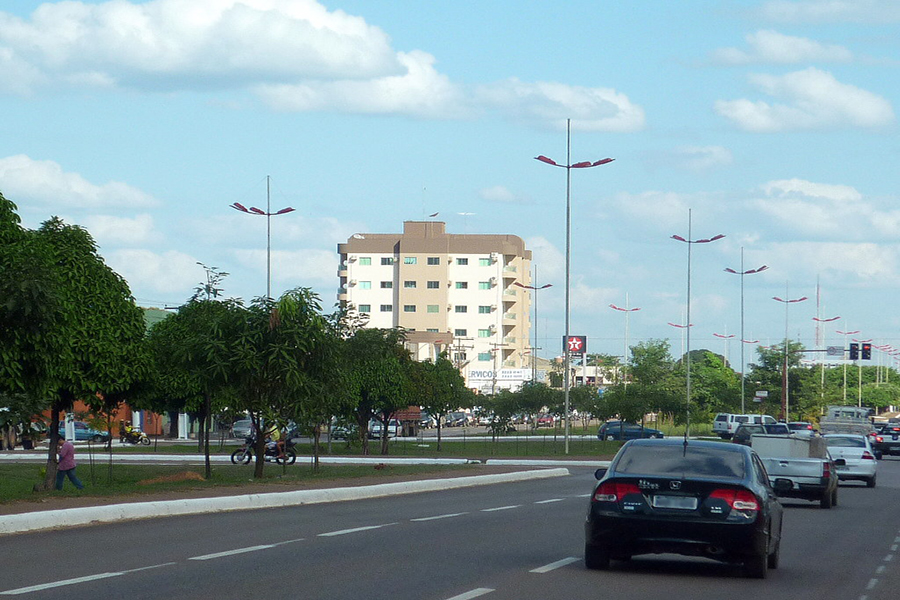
[(290, 457), (145, 440), (241, 456)]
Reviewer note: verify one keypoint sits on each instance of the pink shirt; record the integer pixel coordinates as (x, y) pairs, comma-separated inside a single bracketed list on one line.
[(66, 456)]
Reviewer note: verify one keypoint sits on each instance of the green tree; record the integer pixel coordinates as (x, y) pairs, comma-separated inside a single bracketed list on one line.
[(441, 389)]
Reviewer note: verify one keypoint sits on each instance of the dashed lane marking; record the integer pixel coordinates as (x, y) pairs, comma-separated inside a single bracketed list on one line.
[(555, 565), (77, 580), (472, 594), (232, 552), (354, 530), (549, 501), (501, 508), (435, 518)]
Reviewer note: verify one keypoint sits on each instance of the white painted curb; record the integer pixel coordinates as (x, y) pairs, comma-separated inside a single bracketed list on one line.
[(71, 517)]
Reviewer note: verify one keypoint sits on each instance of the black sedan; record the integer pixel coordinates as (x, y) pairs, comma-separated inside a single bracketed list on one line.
[(886, 441), (617, 430), (699, 498)]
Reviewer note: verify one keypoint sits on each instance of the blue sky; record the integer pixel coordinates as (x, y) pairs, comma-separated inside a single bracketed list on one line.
[(773, 121)]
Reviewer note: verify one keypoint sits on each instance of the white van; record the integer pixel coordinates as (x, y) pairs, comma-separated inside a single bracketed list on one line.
[(725, 424)]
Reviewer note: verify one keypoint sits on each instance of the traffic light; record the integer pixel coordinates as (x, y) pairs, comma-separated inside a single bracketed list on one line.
[(854, 351), (866, 351)]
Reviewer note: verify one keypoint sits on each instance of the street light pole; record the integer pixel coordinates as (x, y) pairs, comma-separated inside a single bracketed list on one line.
[(859, 374), (627, 312), (785, 396), (268, 214), (845, 334), (742, 272), (568, 167), (534, 346), (687, 356)]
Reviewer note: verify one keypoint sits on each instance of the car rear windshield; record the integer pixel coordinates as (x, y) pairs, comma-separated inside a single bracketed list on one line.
[(846, 442), (674, 460), (721, 417), (777, 429)]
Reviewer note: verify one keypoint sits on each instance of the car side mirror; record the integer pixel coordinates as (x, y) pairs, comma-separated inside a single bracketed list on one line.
[(783, 485), (600, 473)]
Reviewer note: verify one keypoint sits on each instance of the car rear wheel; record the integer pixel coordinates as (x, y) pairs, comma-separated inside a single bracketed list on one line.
[(757, 567), (870, 482), (829, 499), (596, 558), (775, 557)]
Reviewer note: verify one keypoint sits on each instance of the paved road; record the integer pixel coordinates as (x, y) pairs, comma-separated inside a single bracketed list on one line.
[(509, 541)]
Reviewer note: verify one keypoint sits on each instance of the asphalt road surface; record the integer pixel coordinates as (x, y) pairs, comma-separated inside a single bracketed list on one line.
[(508, 541)]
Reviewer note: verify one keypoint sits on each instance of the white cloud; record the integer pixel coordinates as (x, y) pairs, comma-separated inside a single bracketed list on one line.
[(703, 158), (168, 272), (171, 43), (864, 263), (122, 231), (591, 109), (550, 260), (832, 11), (44, 182), (770, 47), (658, 209), (420, 91), (813, 99), (298, 268), (826, 211), (499, 193)]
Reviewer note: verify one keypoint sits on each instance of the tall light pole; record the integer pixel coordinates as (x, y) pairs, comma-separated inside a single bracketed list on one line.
[(785, 396), (845, 334), (859, 374), (534, 346), (727, 337), (268, 214), (682, 328), (568, 167), (687, 356), (627, 312), (820, 341), (742, 272)]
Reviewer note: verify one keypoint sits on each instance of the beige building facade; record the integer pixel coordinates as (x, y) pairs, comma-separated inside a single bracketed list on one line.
[(455, 292)]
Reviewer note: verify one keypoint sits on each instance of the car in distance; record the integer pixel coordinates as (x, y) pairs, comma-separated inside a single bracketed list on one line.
[(725, 424), (618, 430), (802, 429), (84, 432), (859, 457), (694, 498), (744, 433), (886, 440)]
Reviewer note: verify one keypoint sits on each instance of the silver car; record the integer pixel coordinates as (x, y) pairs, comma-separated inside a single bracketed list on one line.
[(857, 451)]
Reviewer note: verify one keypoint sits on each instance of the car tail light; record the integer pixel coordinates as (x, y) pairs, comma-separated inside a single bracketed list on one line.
[(867, 455), (614, 491), (826, 470), (736, 499)]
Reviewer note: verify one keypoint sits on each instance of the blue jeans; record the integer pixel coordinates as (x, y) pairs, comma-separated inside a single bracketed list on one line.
[(70, 473)]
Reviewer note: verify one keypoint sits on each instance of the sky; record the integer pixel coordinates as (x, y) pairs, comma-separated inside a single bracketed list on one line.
[(771, 122)]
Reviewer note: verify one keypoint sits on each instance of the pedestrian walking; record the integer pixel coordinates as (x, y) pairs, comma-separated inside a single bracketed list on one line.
[(66, 466)]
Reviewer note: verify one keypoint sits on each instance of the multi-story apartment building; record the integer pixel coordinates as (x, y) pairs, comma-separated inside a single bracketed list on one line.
[(453, 292)]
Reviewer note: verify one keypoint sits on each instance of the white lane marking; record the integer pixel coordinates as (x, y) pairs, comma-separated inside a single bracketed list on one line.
[(354, 530), (501, 508), (447, 516), (880, 569), (894, 548), (583, 495), (889, 558), (55, 584), (168, 564), (872, 583), (472, 594), (549, 501), (555, 565), (232, 552)]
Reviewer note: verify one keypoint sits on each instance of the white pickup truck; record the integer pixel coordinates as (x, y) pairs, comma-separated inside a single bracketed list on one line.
[(799, 467)]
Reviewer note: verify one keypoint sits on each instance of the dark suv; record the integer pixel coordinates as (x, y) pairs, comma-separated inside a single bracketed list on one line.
[(886, 440), (742, 434)]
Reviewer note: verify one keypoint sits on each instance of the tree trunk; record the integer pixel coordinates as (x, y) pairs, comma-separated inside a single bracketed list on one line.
[(317, 431), (439, 432), (207, 405), (50, 478)]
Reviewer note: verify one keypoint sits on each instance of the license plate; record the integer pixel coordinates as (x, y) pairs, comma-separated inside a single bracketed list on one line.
[(678, 502), (841, 467)]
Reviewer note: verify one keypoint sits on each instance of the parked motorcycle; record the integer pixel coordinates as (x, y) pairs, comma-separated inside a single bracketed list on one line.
[(244, 454), (133, 436)]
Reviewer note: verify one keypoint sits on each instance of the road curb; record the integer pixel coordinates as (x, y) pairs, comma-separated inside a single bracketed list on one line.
[(73, 517)]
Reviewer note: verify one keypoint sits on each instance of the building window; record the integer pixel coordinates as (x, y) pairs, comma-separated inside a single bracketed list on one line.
[(365, 285), (482, 333), (462, 261), (484, 262), (365, 261), (409, 308), (434, 260), (365, 308), (433, 285), (431, 330), (433, 308), (484, 285), (462, 285), (387, 260), (386, 285), (409, 285), (387, 308), (484, 310), (460, 332), (485, 356), (461, 309), (459, 357), (410, 260)]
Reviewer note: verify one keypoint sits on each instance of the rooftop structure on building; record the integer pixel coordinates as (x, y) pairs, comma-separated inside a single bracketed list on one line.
[(450, 292)]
